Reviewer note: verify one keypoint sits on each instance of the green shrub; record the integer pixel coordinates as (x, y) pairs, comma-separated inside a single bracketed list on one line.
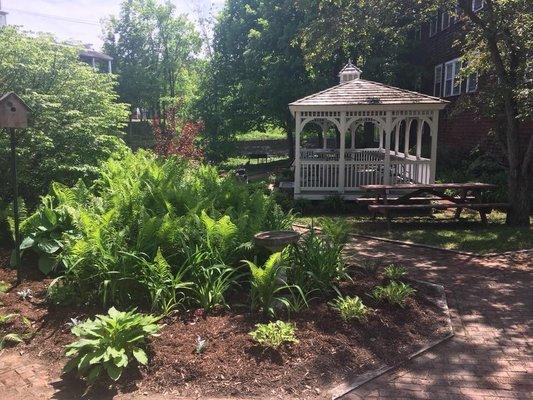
[(395, 272), (61, 294), (109, 343), (4, 286), (335, 229), (266, 283), (395, 293), (274, 334), (350, 308), (317, 263), (155, 233)]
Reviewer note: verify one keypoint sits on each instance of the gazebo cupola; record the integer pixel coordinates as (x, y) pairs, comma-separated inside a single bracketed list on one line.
[(379, 134), (349, 72)]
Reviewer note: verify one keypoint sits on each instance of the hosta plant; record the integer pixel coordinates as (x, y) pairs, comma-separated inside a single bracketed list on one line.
[(108, 343), (274, 334), (395, 272), (350, 308), (395, 293)]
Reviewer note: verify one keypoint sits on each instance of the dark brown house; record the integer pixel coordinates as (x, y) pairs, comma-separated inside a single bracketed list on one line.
[(460, 131)]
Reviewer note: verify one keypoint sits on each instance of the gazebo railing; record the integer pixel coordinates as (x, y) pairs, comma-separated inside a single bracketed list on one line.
[(361, 167)]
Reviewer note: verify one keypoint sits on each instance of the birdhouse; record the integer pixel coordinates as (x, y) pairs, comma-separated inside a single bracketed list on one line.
[(13, 111)]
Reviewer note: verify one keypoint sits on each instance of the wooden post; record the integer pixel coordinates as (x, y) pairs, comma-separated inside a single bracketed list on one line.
[(15, 202), (325, 127), (352, 143), (388, 131), (342, 151), (297, 168), (419, 130), (406, 141), (434, 138), (397, 139), (381, 139)]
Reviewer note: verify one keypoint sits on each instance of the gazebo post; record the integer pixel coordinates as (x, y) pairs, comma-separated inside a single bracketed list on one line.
[(419, 130), (388, 132), (342, 151), (297, 168), (434, 135), (406, 139), (397, 139), (381, 139), (325, 127)]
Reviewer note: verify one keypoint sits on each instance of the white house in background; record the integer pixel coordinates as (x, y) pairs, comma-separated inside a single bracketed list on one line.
[(3, 16), (399, 117), (96, 58)]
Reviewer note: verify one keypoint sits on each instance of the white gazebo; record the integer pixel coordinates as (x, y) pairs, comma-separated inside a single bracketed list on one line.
[(392, 117)]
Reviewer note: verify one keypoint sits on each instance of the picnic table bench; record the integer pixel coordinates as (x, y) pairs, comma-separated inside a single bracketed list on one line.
[(433, 196)]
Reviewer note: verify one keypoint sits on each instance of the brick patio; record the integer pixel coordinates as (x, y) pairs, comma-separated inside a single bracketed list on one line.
[(489, 357)]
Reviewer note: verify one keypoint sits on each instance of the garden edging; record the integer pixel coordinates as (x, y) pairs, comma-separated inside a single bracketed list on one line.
[(353, 383)]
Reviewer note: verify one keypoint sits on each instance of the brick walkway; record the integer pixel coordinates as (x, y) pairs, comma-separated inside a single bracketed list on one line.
[(490, 356)]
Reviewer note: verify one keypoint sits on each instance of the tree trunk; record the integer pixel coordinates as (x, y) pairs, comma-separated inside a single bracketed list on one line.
[(290, 140), (519, 197)]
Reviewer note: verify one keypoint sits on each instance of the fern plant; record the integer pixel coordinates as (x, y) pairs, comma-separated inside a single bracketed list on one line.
[(108, 343), (266, 284)]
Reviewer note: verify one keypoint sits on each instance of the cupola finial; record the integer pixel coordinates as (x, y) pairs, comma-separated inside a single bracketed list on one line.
[(349, 72)]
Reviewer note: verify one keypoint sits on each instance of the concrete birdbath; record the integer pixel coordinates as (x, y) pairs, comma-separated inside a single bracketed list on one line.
[(276, 240)]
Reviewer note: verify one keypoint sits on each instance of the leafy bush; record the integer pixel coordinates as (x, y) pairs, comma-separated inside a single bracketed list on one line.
[(61, 294), (335, 229), (395, 272), (109, 342), (266, 283), (274, 334), (350, 308), (155, 233), (317, 263), (395, 293)]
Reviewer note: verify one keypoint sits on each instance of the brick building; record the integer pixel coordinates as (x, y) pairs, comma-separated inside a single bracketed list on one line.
[(459, 131)]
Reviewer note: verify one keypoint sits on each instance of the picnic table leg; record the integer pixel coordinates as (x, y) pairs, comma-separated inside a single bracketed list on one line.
[(463, 200)]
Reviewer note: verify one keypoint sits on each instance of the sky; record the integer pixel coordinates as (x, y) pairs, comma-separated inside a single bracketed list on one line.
[(79, 20)]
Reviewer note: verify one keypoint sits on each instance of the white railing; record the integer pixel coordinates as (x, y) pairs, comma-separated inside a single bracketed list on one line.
[(319, 169), (319, 175)]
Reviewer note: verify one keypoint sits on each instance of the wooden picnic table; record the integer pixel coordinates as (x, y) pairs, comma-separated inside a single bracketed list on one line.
[(437, 192)]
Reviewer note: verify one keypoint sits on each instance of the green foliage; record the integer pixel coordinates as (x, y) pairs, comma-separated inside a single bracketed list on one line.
[(4, 287), (274, 334), (75, 119), (350, 308), (109, 342), (154, 53), (10, 334), (61, 294), (395, 272), (335, 229), (395, 293), (266, 283), (317, 263), (155, 233)]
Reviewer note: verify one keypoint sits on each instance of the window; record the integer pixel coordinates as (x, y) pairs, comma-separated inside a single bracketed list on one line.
[(446, 20), (433, 25), (477, 5), (437, 82), (452, 81), (471, 83)]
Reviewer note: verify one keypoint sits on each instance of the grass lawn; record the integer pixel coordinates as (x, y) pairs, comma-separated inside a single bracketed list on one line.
[(467, 234), (273, 133)]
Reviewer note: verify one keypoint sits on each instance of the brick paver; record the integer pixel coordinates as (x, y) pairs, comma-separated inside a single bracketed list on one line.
[(491, 308), (489, 357)]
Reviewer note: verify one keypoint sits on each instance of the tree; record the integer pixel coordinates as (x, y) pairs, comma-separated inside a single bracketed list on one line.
[(257, 68), (75, 119), (498, 45), (154, 51)]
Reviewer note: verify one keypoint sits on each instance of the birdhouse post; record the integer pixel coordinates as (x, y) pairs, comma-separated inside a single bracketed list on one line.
[(14, 114)]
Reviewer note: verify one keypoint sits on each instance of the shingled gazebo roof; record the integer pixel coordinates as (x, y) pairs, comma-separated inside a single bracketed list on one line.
[(363, 92)]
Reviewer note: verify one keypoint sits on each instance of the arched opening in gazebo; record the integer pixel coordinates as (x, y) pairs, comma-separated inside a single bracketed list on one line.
[(368, 133)]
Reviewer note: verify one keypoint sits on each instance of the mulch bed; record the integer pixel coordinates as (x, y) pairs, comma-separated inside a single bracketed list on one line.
[(232, 364)]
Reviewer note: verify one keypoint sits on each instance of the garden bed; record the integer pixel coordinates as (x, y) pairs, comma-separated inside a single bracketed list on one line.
[(232, 365)]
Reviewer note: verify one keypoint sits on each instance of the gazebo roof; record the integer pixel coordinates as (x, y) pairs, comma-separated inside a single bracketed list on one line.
[(363, 92)]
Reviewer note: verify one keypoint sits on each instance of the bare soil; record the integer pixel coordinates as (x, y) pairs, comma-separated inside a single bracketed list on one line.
[(232, 365)]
